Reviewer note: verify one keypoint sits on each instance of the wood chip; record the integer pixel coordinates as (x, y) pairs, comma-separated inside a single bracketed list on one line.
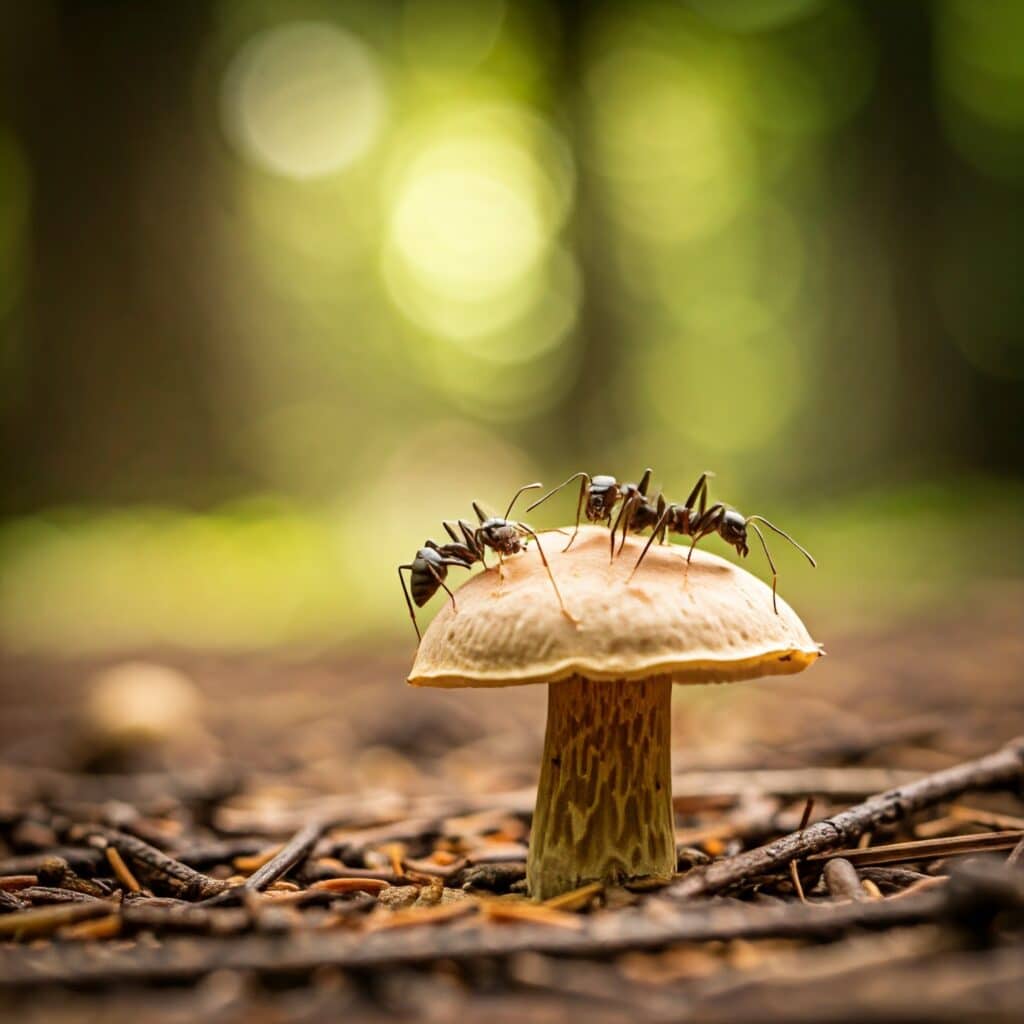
[(510, 909), (108, 927), (124, 876), (415, 916), (246, 865), (12, 883), (577, 899), (342, 885)]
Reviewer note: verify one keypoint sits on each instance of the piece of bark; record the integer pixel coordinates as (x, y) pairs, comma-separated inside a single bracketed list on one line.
[(40, 894), (843, 881)]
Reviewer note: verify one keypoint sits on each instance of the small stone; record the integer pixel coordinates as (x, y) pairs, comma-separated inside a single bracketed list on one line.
[(398, 897)]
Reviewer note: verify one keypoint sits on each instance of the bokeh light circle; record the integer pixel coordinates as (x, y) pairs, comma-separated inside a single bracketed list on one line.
[(475, 205), (464, 228), (303, 100)]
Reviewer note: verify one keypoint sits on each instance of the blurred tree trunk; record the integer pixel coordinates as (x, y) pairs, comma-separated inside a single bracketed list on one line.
[(115, 399)]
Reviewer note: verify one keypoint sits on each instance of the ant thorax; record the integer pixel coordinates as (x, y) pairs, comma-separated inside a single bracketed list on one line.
[(644, 515), (681, 520), (428, 555)]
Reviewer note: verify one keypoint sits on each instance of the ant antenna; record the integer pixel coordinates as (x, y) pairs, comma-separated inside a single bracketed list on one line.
[(515, 497), (782, 533), (555, 490), (771, 565), (584, 479)]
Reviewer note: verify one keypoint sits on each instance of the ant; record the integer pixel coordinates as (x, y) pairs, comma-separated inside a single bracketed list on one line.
[(429, 569), (729, 524), (598, 497)]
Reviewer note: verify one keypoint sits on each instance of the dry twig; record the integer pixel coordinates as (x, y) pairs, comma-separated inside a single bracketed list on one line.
[(1000, 768)]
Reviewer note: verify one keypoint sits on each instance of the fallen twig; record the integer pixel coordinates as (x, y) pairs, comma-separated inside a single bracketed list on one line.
[(927, 849), (999, 768), (155, 866), (297, 849)]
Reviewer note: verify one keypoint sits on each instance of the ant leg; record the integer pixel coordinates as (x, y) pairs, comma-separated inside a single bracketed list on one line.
[(707, 523), (584, 484), (585, 477), (659, 526), (408, 600), (478, 546), (551, 576), (441, 583), (629, 507), (469, 537), (625, 517), (700, 491), (696, 537)]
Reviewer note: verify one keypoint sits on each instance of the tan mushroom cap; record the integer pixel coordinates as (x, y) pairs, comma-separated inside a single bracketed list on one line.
[(711, 623)]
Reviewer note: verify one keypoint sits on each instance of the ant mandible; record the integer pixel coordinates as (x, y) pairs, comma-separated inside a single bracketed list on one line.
[(597, 500), (729, 524)]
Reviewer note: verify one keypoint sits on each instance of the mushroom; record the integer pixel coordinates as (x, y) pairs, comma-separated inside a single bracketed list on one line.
[(604, 802)]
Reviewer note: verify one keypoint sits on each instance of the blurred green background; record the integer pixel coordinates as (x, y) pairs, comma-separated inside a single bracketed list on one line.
[(283, 283)]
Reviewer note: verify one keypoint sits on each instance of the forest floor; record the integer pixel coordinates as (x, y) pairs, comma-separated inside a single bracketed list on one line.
[(312, 839)]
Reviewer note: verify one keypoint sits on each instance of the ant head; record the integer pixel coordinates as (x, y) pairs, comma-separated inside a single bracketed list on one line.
[(501, 535), (734, 531), (601, 496)]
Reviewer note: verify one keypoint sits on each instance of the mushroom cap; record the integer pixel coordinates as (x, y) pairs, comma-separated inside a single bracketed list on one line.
[(712, 622)]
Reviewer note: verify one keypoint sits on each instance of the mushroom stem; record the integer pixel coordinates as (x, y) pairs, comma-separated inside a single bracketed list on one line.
[(604, 802)]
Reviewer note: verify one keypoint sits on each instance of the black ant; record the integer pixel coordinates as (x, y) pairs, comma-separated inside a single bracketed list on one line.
[(429, 569), (729, 524), (598, 497)]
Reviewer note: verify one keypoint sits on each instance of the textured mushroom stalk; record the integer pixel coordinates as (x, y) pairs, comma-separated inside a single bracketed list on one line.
[(604, 803)]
